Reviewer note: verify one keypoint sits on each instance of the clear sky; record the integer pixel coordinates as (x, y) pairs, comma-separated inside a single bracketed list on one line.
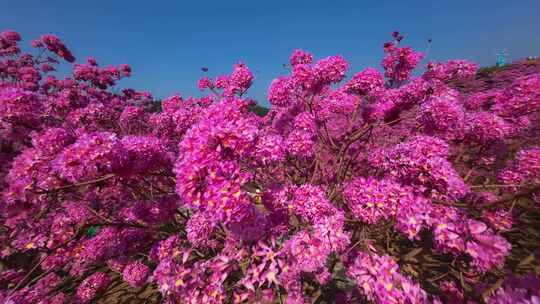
[(167, 42)]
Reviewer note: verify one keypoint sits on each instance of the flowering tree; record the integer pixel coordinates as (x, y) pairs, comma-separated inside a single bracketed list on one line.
[(385, 187)]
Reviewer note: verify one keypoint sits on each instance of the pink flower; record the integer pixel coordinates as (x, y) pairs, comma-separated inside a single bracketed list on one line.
[(300, 57), (205, 83), (331, 69), (135, 274), (399, 63), (280, 92), (91, 287), (365, 82), (10, 35), (55, 45)]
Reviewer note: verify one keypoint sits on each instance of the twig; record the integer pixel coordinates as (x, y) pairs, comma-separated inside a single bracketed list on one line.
[(352, 247), (468, 175), (495, 186), (103, 178), (26, 277)]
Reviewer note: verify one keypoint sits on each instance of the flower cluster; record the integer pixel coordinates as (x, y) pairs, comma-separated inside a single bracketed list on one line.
[(365, 82), (380, 280), (90, 156), (237, 83), (55, 45), (451, 70), (521, 98), (91, 287), (422, 162), (442, 114), (399, 62), (135, 274), (8, 43), (100, 77), (517, 290), (524, 170), (486, 127), (371, 200)]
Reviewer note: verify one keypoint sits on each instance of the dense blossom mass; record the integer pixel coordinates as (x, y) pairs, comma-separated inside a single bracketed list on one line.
[(371, 186)]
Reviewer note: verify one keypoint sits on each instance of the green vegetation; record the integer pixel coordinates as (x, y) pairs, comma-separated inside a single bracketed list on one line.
[(259, 110), (485, 71)]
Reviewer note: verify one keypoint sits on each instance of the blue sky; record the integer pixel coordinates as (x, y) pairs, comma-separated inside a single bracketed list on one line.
[(167, 42)]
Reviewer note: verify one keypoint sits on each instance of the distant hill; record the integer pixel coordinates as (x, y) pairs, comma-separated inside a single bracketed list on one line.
[(488, 78)]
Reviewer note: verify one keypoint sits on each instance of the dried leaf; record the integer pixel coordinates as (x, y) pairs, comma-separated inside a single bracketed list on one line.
[(412, 254), (492, 288), (410, 270), (526, 260)]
